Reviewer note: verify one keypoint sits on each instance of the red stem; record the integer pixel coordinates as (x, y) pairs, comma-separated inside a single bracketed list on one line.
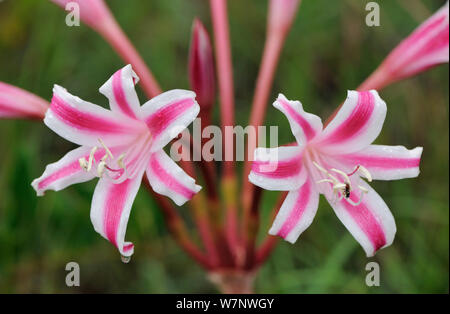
[(178, 229), (201, 218), (122, 45), (270, 242), (226, 95), (272, 50), (225, 72)]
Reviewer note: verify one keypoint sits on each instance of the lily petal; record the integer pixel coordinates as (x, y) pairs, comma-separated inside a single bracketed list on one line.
[(386, 162), (84, 123), (167, 178), (121, 93), (356, 125), (305, 126), (66, 171), (278, 169), (18, 103), (111, 207), (169, 113), (296, 213), (371, 223)]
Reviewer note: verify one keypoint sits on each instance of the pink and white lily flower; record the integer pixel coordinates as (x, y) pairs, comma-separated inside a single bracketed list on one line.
[(119, 146), (335, 161)]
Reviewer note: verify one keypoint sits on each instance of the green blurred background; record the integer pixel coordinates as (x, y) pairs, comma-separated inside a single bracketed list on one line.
[(329, 50)]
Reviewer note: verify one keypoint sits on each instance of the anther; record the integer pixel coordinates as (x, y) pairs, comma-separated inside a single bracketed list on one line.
[(83, 163), (101, 168), (120, 161), (87, 165), (342, 190), (365, 173)]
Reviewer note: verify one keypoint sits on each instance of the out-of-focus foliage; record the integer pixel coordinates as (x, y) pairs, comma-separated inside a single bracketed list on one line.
[(329, 50)]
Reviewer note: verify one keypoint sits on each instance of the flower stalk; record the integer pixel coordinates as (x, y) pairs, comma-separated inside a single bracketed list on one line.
[(226, 94), (280, 18)]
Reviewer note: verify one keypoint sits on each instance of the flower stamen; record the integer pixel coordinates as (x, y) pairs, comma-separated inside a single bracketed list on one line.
[(102, 165), (108, 152), (87, 165), (342, 190)]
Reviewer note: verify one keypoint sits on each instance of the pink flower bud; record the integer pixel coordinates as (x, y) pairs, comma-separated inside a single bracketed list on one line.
[(18, 103), (201, 66), (281, 15), (426, 47)]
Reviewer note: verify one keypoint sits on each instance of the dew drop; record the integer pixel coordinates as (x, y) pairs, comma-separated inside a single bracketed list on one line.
[(125, 259)]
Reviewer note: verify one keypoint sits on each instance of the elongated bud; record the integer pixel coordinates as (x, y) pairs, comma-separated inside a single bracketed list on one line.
[(281, 15), (426, 47), (201, 66), (18, 103)]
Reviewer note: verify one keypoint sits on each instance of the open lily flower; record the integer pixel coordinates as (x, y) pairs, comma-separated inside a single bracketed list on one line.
[(335, 161), (119, 146)]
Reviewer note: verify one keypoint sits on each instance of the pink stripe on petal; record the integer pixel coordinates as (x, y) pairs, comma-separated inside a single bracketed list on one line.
[(169, 180), (119, 94), (297, 211), (115, 203), (128, 247), (162, 118), (366, 222), (278, 169), (68, 170), (64, 172), (357, 120), (82, 120), (302, 122), (384, 162)]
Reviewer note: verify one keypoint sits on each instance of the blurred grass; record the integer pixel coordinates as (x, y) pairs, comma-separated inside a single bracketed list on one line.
[(329, 50)]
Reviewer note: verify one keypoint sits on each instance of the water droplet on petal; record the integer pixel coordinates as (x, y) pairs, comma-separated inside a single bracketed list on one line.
[(125, 259)]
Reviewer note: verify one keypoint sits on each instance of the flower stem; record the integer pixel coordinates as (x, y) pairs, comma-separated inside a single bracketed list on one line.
[(270, 242), (200, 216), (226, 95), (178, 229), (233, 282), (271, 54), (252, 229), (225, 74), (249, 196), (120, 42)]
